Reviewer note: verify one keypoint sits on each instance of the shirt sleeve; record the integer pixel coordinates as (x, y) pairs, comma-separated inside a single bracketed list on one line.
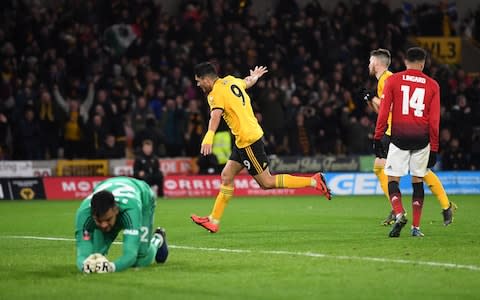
[(434, 119), (216, 100), (383, 111), (131, 219), (83, 237)]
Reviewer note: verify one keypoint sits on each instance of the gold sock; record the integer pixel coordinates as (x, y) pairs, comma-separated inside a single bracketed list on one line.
[(437, 189), (292, 182), (224, 195), (383, 179)]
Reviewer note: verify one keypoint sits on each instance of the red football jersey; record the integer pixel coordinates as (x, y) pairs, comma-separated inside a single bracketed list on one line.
[(414, 99)]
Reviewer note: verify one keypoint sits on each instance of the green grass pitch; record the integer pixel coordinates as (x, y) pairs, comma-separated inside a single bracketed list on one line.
[(267, 248)]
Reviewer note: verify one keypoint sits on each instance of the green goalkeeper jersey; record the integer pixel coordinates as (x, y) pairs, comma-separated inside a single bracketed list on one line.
[(136, 204)]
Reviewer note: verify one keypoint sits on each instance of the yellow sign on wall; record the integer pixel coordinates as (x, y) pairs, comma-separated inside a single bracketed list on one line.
[(447, 50)]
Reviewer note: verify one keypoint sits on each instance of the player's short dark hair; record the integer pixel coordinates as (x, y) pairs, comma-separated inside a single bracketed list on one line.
[(205, 69), (416, 54), (383, 54), (101, 202)]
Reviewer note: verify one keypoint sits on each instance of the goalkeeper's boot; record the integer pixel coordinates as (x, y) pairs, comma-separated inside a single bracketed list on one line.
[(448, 214), (205, 222), (416, 232), (390, 219), (400, 222), (161, 243), (322, 185)]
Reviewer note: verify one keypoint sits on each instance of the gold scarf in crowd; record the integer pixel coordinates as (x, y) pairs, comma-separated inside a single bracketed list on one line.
[(72, 130), (46, 111)]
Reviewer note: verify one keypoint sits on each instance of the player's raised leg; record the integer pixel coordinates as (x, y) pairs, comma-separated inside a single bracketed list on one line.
[(286, 181), (211, 222), (436, 186), (256, 161)]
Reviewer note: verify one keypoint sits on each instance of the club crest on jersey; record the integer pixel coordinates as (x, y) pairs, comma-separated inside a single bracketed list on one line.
[(86, 235)]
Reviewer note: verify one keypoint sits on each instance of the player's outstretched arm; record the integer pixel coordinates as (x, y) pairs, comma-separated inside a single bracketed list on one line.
[(207, 142), (376, 104), (83, 238), (255, 74), (131, 244)]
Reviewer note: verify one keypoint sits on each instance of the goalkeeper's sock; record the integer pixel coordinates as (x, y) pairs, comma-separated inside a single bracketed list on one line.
[(293, 182), (435, 185), (157, 240), (382, 178), (226, 192), (417, 203), (395, 197)]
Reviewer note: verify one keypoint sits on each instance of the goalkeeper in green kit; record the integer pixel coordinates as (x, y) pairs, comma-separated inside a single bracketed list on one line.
[(119, 203)]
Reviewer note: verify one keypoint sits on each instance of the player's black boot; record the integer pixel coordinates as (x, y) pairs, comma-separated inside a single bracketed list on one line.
[(162, 251), (397, 226), (390, 219), (448, 214)]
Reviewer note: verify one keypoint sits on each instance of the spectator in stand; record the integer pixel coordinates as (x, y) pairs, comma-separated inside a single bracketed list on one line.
[(94, 135), (195, 128), (463, 122), (30, 135), (270, 101), (102, 100), (5, 136), (109, 149), (173, 122), (358, 134), (475, 152), (77, 118), (151, 131), (444, 139), (300, 137), (147, 168), (49, 121), (139, 113), (328, 131), (454, 158)]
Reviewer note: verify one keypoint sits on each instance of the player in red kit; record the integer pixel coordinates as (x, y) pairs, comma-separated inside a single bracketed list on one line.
[(414, 100)]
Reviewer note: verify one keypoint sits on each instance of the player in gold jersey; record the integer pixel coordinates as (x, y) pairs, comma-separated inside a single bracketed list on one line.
[(227, 98), (378, 67)]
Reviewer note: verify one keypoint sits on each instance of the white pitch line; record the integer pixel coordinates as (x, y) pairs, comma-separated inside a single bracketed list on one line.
[(278, 252)]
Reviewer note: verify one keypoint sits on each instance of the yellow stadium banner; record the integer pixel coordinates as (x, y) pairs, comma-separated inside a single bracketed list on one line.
[(82, 167), (447, 50)]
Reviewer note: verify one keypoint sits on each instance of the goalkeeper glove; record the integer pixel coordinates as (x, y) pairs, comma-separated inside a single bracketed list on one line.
[(103, 265), (367, 95), (432, 159), (378, 148), (89, 264)]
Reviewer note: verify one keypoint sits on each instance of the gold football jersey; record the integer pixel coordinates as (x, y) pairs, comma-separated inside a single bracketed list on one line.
[(380, 86), (229, 94)]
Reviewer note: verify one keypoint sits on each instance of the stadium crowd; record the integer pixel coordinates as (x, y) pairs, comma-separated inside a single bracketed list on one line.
[(93, 79)]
